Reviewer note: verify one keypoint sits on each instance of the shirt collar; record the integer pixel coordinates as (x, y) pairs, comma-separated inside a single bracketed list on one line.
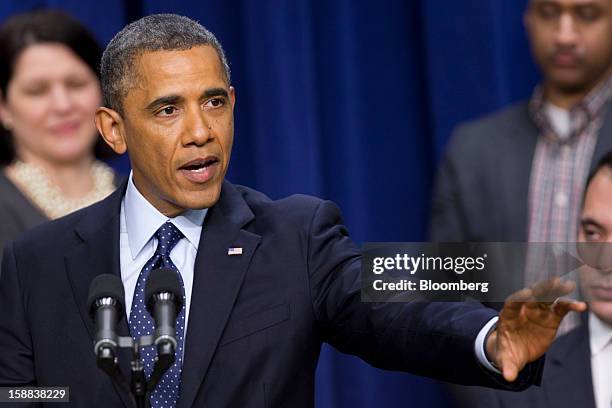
[(142, 220), (600, 334), (596, 100), (588, 108)]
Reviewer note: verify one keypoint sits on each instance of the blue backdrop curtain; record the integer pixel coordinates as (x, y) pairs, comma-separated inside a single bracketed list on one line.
[(352, 101)]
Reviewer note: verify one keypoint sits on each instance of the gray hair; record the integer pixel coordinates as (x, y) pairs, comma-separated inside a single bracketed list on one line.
[(151, 33)]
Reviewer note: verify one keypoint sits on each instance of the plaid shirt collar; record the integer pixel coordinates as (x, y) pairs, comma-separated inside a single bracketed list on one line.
[(581, 114)]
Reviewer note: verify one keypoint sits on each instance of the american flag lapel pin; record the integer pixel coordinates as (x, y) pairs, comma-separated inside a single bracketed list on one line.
[(234, 251)]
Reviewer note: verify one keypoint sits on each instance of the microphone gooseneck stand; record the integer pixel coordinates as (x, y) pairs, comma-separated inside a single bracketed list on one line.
[(106, 307), (139, 388)]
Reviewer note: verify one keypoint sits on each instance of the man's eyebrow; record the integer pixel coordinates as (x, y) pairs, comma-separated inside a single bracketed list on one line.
[(164, 100), (175, 99), (589, 221), (586, 3), (215, 92), (538, 2)]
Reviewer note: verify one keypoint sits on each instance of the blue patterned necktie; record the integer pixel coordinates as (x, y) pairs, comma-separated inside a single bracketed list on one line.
[(167, 391)]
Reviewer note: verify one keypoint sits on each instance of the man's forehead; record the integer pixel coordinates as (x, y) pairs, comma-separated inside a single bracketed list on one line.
[(598, 198), (166, 63), (163, 72)]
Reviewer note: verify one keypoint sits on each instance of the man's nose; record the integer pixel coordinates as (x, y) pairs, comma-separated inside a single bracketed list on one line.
[(567, 32), (198, 128), (597, 255), (607, 255)]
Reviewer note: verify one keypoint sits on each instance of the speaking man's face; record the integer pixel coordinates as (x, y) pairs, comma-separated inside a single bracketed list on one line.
[(178, 126), (571, 41), (596, 227)]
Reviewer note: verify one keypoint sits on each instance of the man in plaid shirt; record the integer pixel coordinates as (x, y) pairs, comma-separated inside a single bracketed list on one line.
[(519, 174)]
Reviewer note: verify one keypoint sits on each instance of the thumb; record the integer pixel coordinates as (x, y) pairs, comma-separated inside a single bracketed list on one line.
[(509, 370)]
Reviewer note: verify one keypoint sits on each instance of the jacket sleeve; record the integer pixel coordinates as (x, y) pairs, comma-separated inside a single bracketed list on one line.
[(433, 339), (16, 357)]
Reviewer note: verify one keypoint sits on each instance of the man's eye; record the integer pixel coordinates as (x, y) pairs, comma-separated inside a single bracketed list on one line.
[(588, 13), (215, 103), (169, 110), (548, 11), (592, 235)]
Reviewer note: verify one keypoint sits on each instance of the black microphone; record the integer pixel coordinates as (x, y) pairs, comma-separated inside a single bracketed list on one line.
[(164, 296), (106, 304)]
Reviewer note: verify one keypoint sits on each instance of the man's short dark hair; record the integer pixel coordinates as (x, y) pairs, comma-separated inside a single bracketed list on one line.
[(158, 32), (604, 163)]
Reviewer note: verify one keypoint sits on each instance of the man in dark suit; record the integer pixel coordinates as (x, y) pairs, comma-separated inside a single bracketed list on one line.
[(578, 367), (518, 175), (265, 282)]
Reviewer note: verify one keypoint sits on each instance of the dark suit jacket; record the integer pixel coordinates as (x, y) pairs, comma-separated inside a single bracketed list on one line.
[(567, 381), (17, 213), (257, 321), (482, 184)]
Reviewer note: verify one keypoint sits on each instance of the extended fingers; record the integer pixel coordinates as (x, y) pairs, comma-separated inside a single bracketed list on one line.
[(552, 289), (544, 295), (561, 307), (514, 303)]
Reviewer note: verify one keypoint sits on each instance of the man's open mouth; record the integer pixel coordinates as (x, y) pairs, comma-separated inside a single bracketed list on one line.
[(199, 164), (200, 170)]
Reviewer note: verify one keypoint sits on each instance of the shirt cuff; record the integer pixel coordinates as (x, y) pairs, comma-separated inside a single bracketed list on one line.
[(479, 345)]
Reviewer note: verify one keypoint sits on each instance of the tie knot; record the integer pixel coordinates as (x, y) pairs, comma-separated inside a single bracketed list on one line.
[(167, 237)]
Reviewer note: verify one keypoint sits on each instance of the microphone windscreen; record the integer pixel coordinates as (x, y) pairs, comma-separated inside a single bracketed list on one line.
[(106, 285), (164, 280)]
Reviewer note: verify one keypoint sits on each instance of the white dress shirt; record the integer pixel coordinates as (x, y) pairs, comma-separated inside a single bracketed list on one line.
[(139, 221), (600, 336), (560, 120)]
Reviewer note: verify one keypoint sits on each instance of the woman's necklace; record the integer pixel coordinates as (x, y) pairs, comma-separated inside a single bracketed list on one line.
[(39, 189)]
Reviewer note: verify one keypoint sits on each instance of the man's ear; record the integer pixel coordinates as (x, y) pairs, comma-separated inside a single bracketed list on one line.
[(232, 96), (110, 126)]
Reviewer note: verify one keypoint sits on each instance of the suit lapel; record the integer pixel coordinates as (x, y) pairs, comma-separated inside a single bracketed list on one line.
[(515, 170), (217, 277), (604, 138), (98, 253), (569, 374), (217, 281)]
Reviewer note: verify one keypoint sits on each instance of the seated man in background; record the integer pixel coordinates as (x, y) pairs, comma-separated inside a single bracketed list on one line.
[(578, 368)]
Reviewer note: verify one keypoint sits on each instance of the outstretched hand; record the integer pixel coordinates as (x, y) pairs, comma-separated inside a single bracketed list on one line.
[(528, 324)]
